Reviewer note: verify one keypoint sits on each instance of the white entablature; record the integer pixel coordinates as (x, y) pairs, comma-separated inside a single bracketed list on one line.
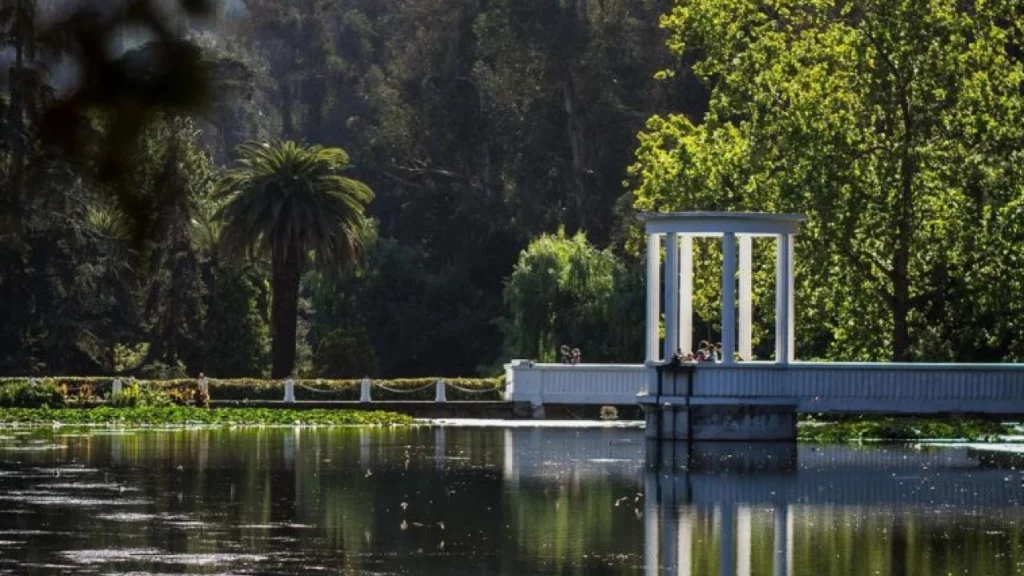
[(679, 229)]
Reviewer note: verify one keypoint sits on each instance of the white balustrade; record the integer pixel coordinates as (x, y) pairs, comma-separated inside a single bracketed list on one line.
[(813, 387), (602, 384)]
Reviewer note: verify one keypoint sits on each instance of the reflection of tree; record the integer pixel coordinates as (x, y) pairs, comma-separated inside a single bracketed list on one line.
[(572, 524), (554, 520)]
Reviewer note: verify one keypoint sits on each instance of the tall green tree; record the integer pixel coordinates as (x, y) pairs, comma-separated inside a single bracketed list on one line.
[(288, 200), (565, 291), (897, 127)]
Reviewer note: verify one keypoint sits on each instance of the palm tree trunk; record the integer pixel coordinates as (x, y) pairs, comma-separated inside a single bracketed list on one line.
[(284, 310)]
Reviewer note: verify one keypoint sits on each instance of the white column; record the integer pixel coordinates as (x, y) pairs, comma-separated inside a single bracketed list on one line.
[(728, 297), (686, 293), (671, 295), (746, 318), (784, 299), (653, 293), (791, 294)]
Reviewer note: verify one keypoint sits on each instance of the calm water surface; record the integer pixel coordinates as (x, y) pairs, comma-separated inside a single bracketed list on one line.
[(496, 501)]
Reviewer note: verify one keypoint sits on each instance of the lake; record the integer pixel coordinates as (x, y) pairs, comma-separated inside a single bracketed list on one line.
[(494, 500)]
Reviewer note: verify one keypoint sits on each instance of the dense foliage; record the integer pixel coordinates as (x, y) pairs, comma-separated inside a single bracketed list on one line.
[(485, 130), (897, 128), (901, 430)]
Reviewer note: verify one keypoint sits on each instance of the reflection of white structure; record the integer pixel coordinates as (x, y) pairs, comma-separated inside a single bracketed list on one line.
[(771, 473), (782, 381)]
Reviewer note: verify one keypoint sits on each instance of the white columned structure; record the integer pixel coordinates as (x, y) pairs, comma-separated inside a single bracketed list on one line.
[(671, 296), (728, 297), (736, 230), (653, 295), (686, 293), (746, 320)]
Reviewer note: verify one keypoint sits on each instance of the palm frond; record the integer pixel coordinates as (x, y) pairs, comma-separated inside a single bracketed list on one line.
[(283, 196)]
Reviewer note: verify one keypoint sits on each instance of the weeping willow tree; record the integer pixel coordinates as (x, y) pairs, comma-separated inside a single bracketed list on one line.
[(287, 201), (564, 291)]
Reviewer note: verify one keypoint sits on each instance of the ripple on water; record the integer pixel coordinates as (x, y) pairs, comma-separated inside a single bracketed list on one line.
[(273, 525), (127, 517), (57, 500), (32, 448), (156, 556), (99, 486)]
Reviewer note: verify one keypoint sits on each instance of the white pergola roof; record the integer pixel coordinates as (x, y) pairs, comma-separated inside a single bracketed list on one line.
[(718, 223)]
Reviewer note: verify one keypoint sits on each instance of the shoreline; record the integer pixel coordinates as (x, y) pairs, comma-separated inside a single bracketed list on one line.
[(848, 431)]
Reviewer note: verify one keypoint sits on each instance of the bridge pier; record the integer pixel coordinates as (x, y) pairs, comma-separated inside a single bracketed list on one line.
[(671, 412)]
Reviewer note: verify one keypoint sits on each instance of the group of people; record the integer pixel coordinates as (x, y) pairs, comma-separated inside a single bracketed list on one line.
[(705, 353), (570, 355)]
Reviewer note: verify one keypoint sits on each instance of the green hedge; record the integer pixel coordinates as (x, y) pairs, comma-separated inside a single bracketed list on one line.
[(259, 389), (93, 391)]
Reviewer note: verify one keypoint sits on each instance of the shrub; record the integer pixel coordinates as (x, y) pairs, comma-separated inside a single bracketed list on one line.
[(182, 392), (31, 394)]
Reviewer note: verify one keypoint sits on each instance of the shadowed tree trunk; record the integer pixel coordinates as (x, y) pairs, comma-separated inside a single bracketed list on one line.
[(284, 309)]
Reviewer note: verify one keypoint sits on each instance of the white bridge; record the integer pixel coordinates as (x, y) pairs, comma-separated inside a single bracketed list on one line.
[(738, 391), (812, 387)]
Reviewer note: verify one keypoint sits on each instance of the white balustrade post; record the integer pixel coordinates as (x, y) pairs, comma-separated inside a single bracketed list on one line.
[(784, 299), (671, 295), (115, 388), (686, 293), (289, 391), (364, 389), (746, 319), (439, 396), (728, 297), (653, 294), (204, 385)]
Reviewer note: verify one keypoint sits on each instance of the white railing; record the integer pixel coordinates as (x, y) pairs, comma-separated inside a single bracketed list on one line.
[(539, 384), (869, 387), (813, 387)]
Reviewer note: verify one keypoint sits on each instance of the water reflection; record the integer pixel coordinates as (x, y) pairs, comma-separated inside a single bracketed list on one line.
[(435, 500), (780, 509)]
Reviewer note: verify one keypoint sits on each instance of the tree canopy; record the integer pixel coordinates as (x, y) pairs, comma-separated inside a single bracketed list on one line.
[(896, 127)]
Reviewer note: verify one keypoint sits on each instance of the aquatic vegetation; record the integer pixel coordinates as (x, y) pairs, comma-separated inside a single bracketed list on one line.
[(192, 416), (900, 429)]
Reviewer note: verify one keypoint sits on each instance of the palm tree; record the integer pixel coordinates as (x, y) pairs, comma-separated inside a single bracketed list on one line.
[(287, 200)]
